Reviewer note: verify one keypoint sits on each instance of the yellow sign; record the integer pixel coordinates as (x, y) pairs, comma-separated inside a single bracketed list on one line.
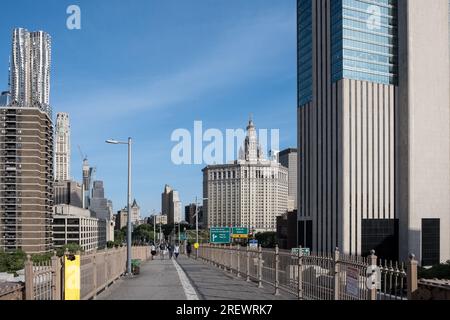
[(72, 277), (240, 236), (196, 246)]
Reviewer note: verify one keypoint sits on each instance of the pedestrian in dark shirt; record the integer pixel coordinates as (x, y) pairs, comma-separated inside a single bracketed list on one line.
[(188, 249)]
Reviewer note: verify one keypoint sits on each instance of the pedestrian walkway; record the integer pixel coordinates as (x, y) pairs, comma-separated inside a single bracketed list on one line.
[(186, 279), (158, 280), (212, 283)]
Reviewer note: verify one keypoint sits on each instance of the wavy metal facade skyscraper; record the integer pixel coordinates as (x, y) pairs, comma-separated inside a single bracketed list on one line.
[(30, 69)]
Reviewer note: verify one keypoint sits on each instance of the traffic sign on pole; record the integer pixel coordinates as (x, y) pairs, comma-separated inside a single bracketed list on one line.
[(240, 233), (220, 235)]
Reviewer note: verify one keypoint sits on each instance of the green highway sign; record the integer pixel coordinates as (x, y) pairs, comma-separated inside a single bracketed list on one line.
[(220, 235), (305, 251), (240, 233)]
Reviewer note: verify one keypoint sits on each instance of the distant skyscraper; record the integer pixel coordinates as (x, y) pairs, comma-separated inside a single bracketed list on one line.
[(5, 99), (288, 159), (62, 147), (69, 193), (171, 205), (251, 192), (87, 173), (373, 127), (135, 213), (30, 69)]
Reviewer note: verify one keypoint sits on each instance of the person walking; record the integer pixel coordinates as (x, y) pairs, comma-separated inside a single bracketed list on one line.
[(188, 249), (162, 250), (153, 251), (170, 249), (176, 251)]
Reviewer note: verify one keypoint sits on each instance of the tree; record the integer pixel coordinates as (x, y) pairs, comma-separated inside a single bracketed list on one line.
[(267, 239), (73, 248), (12, 262), (440, 271), (143, 234)]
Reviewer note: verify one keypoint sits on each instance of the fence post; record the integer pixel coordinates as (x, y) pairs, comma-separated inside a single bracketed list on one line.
[(260, 267), (277, 267), (238, 260), (29, 281), (336, 274), (373, 262), (299, 274), (56, 275), (248, 264), (411, 277), (231, 258), (94, 268)]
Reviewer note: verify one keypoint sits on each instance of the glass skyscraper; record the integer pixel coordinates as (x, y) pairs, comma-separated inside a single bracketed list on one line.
[(364, 42)]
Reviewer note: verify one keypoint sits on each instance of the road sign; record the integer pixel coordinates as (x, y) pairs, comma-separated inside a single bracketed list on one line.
[(196, 246), (239, 233), (305, 251), (253, 244), (183, 236), (352, 281), (220, 235)]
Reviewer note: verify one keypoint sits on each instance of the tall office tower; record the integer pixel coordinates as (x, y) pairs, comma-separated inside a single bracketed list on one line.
[(26, 176), (165, 200), (189, 213), (288, 159), (30, 69), (87, 174), (135, 213), (5, 99), (26, 148), (171, 205), (100, 208), (373, 127), (250, 192), (62, 147), (69, 193), (98, 203)]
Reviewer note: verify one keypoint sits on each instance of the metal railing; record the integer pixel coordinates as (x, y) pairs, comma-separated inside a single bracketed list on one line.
[(328, 276), (98, 270)]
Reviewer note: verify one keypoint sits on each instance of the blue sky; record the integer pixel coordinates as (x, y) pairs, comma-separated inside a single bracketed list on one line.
[(143, 68)]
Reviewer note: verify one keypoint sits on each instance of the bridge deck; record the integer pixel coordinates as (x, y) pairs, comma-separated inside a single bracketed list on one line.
[(160, 280)]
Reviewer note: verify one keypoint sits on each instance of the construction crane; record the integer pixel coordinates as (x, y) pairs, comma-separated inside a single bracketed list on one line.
[(83, 157)]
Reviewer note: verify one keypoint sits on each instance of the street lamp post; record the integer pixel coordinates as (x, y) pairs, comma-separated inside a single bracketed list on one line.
[(196, 221), (111, 141), (154, 228)]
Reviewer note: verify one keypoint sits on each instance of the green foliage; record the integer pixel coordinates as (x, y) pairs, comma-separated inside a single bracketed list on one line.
[(120, 236), (12, 262), (267, 239), (110, 244), (440, 271), (167, 229), (71, 247), (37, 258), (143, 234)]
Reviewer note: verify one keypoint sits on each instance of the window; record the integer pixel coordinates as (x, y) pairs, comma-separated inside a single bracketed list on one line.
[(380, 235), (430, 242)]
